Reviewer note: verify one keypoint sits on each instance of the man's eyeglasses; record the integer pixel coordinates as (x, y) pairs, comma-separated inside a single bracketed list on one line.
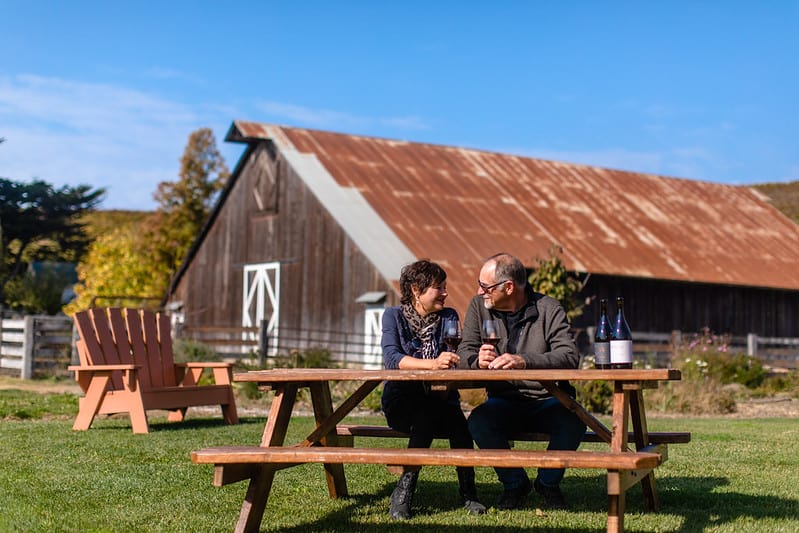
[(487, 288)]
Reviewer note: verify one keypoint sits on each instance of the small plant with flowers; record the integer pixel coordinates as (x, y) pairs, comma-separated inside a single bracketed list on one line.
[(710, 369)]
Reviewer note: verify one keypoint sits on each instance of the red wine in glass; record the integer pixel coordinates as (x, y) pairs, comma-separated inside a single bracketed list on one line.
[(490, 332), (452, 333), (493, 341), (452, 342)]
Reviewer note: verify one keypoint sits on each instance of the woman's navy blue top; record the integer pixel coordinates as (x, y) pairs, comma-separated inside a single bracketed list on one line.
[(398, 341)]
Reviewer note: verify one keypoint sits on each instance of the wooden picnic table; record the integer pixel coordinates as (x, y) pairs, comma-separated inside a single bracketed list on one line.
[(625, 467)]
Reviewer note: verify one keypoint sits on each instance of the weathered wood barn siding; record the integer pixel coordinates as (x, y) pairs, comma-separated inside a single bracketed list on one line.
[(322, 272), (662, 306)]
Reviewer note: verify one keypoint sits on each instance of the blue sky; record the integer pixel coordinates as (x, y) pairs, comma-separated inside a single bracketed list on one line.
[(107, 93)]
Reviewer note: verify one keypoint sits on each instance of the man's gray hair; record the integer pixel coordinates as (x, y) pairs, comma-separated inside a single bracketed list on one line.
[(509, 267)]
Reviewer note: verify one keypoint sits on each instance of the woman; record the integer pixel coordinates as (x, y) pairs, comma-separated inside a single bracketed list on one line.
[(413, 340)]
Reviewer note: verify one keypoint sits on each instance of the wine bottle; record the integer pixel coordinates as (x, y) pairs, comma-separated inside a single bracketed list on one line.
[(621, 340), (602, 338)]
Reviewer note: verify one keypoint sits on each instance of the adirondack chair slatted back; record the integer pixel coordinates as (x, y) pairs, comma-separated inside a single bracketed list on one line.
[(165, 340), (120, 331), (139, 344), (149, 349), (99, 346)]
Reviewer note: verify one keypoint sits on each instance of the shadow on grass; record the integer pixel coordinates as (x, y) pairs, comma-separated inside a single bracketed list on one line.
[(162, 424), (696, 503), (200, 423), (704, 503), (430, 504)]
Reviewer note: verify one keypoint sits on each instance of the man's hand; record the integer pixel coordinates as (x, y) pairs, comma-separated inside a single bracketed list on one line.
[(486, 355), (507, 361)]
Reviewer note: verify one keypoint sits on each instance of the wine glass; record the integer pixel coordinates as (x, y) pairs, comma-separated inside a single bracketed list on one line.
[(452, 333), (490, 332)]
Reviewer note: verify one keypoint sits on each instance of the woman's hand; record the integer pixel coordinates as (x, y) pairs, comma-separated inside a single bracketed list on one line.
[(445, 361)]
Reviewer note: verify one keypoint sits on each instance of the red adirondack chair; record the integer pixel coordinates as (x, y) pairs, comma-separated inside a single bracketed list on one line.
[(126, 366)]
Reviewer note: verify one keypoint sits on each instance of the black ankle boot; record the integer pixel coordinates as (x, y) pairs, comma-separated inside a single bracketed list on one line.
[(468, 491), (400, 501)]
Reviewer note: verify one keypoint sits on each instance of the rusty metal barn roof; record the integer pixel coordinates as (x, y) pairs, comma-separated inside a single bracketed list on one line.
[(457, 206)]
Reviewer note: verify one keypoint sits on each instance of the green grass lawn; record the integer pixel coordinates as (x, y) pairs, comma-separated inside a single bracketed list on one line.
[(737, 475)]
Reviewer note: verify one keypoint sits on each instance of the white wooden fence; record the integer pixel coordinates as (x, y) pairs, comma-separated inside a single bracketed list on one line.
[(36, 344)]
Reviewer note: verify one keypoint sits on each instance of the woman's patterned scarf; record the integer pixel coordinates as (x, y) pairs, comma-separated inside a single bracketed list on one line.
[(424, 328)]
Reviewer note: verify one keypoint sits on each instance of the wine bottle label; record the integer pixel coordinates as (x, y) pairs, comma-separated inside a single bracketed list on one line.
[(602, 353), (621, 352)]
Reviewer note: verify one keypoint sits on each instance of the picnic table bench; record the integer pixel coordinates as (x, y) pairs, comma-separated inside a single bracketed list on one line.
[(331, 443)]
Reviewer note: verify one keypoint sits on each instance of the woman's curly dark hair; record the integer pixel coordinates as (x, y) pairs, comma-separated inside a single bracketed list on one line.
[(419, 275)]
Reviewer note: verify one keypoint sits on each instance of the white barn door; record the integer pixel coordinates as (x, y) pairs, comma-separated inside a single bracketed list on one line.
[(261, 300), (372, 331)]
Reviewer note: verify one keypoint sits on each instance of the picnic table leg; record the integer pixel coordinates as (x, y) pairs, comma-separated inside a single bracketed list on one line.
[(641, 433), (618, 443), (616, 502), (323, 408), (621, 409), (252, 510)]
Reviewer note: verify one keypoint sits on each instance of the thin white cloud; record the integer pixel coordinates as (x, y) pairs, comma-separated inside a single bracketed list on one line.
[(70, 133), (326, 118), (165, 73), (405, 123)]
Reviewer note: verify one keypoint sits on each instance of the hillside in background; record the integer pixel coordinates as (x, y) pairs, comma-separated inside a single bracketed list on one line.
[(783, 196), (101, 221)]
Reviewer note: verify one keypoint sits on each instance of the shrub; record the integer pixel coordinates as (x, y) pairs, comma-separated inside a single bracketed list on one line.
[(787, 382), (692, 397), (310, 358), (713, 378), (596, 396), (37, 294), (185, 351), (706, 357)]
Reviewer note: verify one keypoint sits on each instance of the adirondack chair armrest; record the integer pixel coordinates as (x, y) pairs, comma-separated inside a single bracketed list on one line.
[(188, 374), (85, 375)]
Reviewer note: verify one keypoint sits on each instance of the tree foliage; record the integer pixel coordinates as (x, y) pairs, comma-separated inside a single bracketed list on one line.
[(184, 205), (550, 277), (120, 268), (38, 293), (40, 223)]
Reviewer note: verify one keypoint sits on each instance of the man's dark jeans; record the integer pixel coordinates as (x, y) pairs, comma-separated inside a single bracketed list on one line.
[(491, 422)]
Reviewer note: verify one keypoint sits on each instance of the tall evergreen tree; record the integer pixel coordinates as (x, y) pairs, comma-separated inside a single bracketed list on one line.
[(41, 222)]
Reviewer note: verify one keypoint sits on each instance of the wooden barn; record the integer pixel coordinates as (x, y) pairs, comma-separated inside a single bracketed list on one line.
[(313, 229)]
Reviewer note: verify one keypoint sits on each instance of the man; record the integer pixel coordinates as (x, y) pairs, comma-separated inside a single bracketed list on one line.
[(534, 333)]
